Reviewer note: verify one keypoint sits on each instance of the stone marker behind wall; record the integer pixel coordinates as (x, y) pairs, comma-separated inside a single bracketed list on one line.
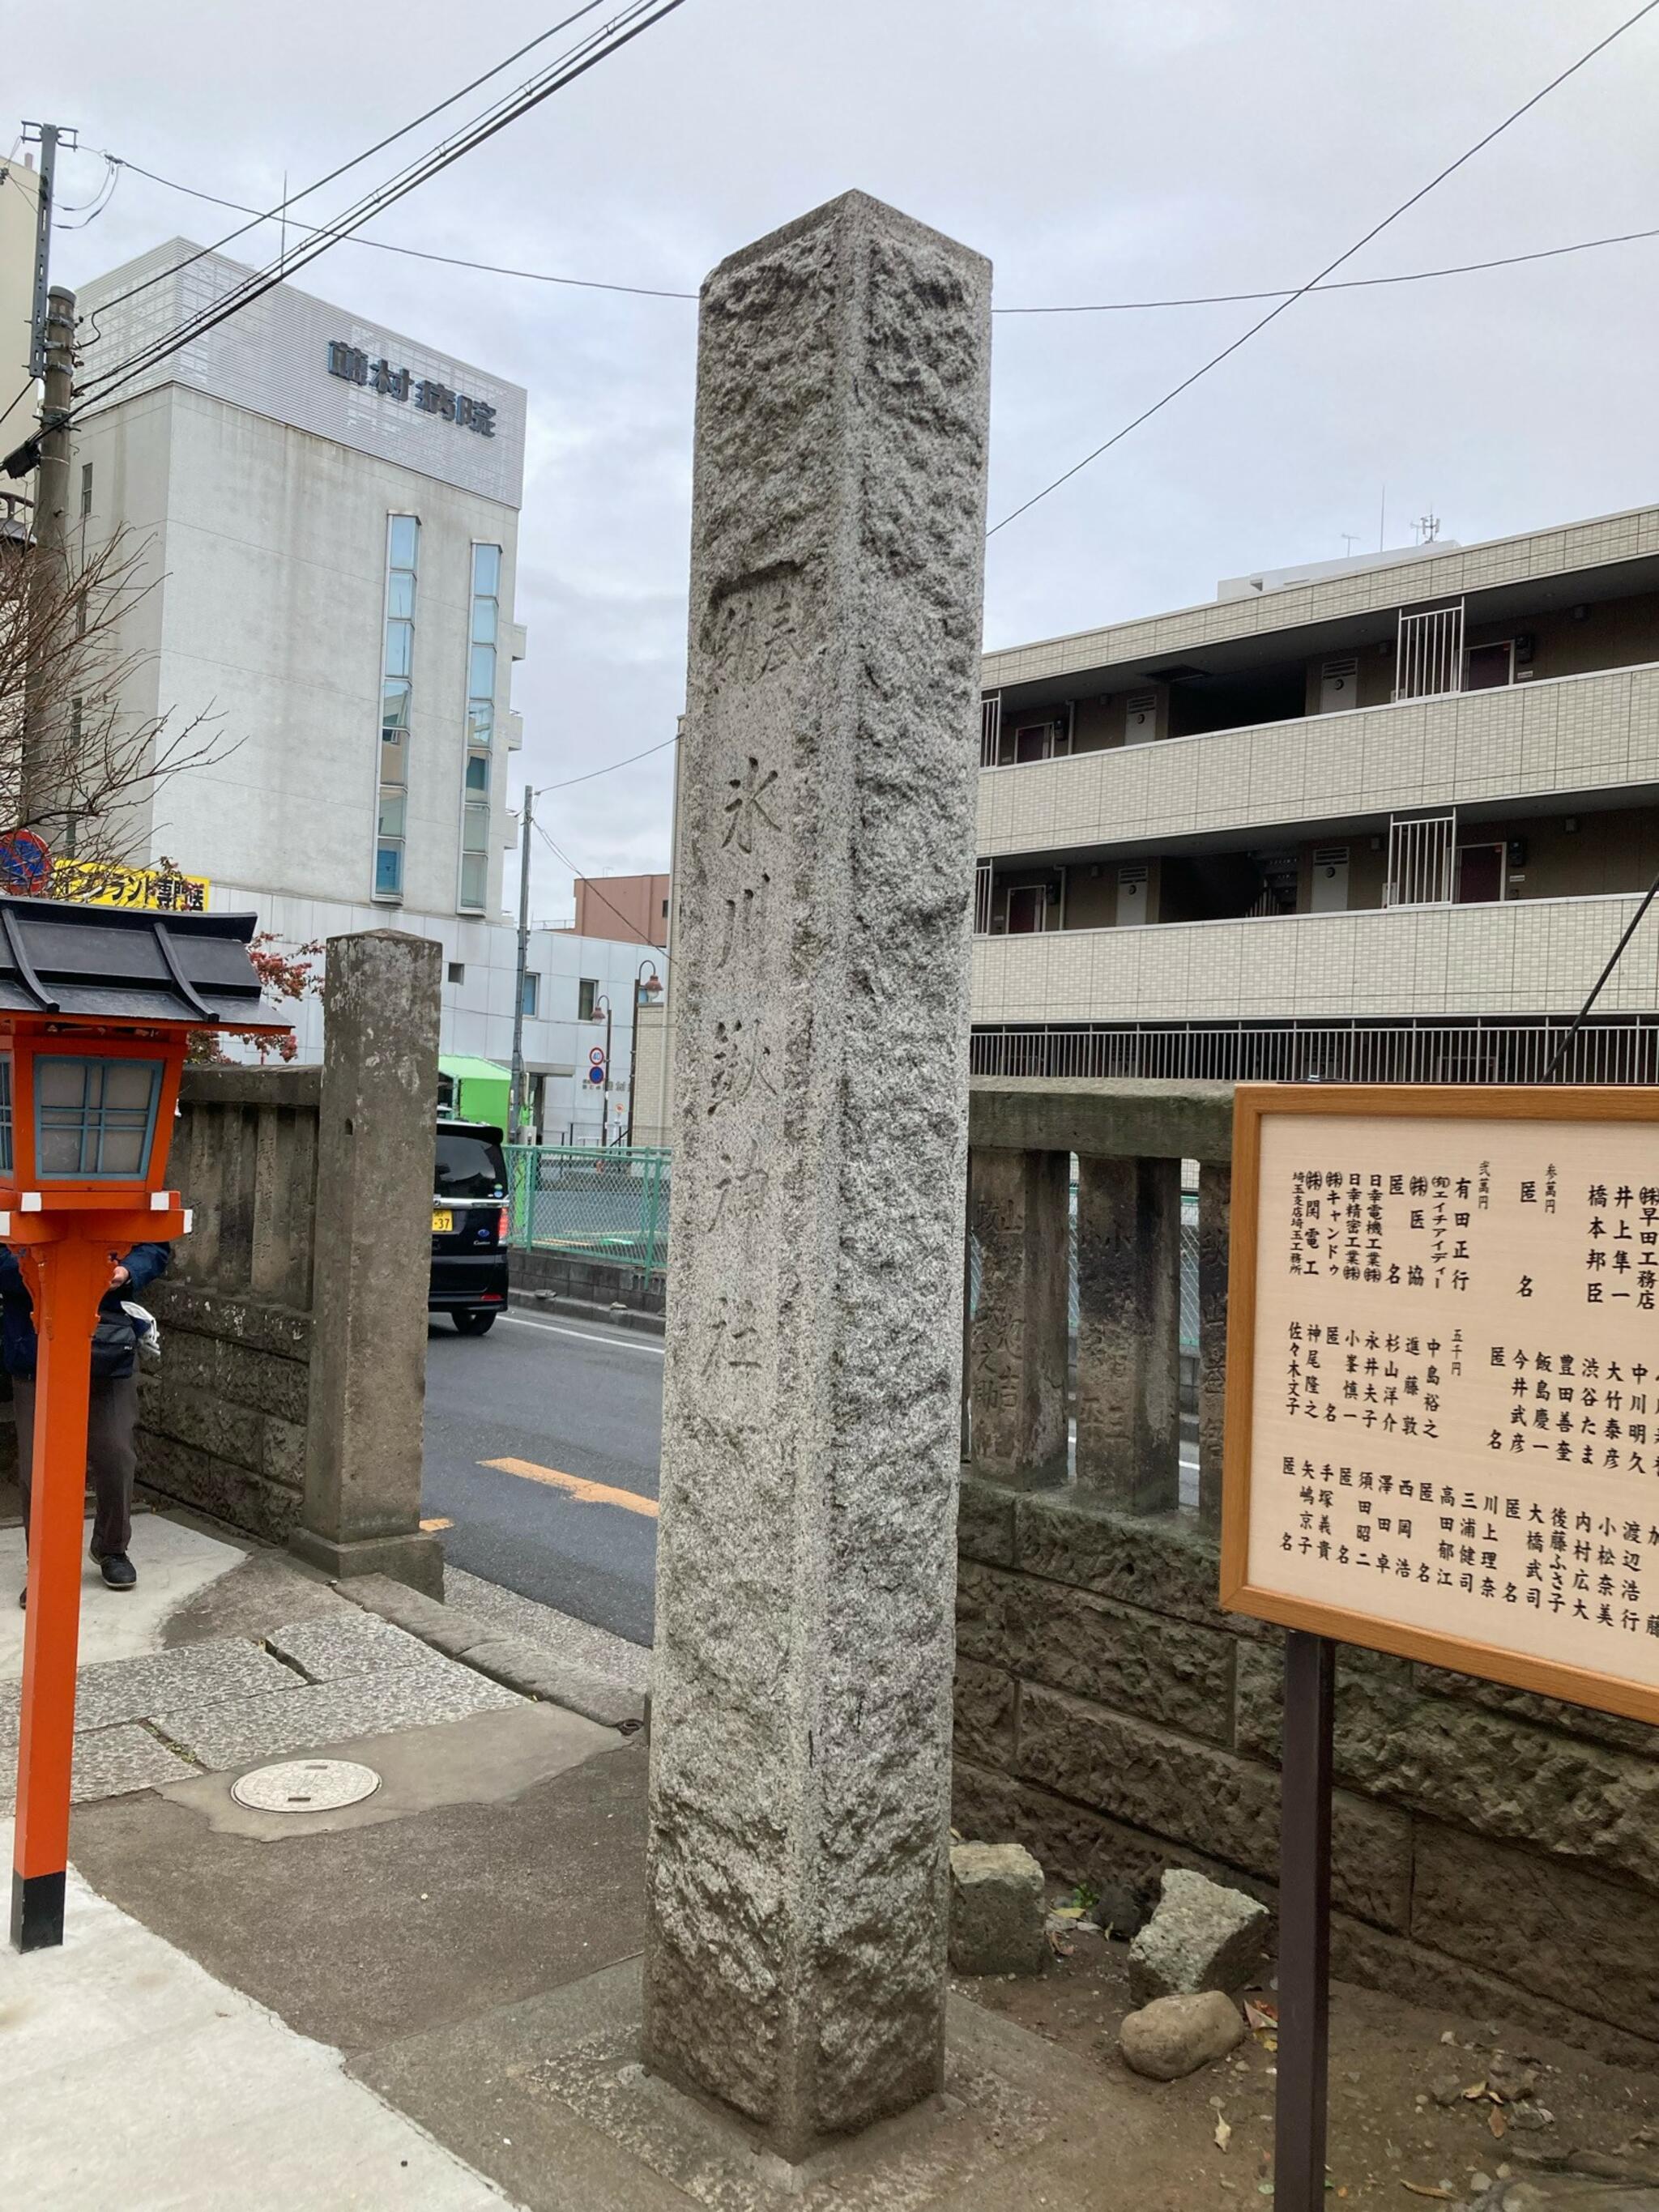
[(797, 1882)]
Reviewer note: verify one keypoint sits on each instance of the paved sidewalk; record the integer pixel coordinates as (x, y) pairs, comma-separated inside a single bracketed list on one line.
[(134, 2080), (152, 1716)]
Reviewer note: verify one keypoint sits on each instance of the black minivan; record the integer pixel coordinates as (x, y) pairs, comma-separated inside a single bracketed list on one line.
[(470, 1218)]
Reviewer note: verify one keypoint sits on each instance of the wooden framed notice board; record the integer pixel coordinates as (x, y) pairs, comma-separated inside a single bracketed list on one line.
[(1443, 1379)]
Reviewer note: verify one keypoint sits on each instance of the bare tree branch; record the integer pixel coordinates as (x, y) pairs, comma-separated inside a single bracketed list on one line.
[(80, 761)]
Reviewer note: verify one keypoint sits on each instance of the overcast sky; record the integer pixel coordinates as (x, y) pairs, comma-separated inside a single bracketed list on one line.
[(1096, 149)]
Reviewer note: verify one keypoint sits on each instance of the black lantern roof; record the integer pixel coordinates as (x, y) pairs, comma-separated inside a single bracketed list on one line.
[(131, 964)]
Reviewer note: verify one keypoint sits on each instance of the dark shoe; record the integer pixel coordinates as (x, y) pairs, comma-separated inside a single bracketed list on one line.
[(23, 1596), (117, 1571)]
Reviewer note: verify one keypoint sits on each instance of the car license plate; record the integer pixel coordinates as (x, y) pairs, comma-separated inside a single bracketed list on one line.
[(442, 1221)]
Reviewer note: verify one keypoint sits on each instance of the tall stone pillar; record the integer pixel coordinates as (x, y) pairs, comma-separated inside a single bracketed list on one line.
[(1215, 1207), (1128, 1341), (372, 1262), (1019, 1210), (805, 1570)]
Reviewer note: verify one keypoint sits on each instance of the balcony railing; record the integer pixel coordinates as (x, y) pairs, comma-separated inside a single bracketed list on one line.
[(1325, 1052), (1597, 732)]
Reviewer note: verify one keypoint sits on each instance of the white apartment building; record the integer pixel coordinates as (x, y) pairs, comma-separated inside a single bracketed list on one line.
[(329, 514), (1376, 820)]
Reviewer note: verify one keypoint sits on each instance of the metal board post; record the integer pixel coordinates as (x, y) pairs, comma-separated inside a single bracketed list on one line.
[(1304, 1925)]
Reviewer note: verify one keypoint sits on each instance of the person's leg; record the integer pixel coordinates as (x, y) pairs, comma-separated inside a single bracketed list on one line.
[(112, 1461), (22, 1400)]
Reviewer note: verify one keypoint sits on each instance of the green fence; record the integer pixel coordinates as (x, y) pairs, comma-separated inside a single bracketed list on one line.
[(612, 1204), (592, 1203)]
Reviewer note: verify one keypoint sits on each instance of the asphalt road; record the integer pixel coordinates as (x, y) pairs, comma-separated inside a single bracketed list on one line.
[(578, 1409)]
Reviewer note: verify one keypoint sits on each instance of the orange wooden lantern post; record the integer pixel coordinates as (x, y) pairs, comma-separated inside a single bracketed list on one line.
[(97, 1004)]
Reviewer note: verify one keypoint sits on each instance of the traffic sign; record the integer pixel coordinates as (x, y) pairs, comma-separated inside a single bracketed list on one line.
[(596, 1075), (25, 861), (596, 1056)]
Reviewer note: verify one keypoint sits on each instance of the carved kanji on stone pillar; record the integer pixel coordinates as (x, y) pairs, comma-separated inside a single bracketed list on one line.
[(801, 1705)]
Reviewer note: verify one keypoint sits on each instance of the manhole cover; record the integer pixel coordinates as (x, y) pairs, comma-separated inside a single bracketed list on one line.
[(306, 1785)]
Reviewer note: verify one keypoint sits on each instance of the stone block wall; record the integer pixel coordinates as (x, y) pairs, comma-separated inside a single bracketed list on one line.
[(223, 1424), (1493, 1851)]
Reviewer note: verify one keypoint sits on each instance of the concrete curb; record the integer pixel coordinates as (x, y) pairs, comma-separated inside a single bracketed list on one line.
[(557, 1301), (517, 1664)]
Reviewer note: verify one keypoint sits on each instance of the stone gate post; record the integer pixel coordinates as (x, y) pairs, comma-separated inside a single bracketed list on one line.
[(795, 1958), (372, 1261)]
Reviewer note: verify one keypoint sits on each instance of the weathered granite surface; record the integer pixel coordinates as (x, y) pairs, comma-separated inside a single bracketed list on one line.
[(1128, 1338), (372, 1256), (797, 1879)]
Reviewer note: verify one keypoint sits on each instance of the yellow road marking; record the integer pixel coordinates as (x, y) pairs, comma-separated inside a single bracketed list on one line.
[(576, 1486), (438, 1521)]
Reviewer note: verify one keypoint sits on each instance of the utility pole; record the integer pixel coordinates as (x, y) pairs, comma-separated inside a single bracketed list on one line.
[(515, 1093), (47, 768), (50, 134)]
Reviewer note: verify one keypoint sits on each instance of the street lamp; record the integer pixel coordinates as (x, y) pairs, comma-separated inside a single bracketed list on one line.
[(646, 990), (604, 999), (97, 1006)]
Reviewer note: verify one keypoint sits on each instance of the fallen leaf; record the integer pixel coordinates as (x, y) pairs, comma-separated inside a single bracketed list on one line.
[(1477, 2090), (1421, 2189), (1260, 2015), (1223, 2135), (1498, 2123), (1065, 1912), (1270, 2043)]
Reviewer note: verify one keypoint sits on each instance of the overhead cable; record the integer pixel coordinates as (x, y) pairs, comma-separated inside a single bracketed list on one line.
[(1061, 307), (381, 144), (1347, 254), (611, 769), (635, 19), (580, 875)]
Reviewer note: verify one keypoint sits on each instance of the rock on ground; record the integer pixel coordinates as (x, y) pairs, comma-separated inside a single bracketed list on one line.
[(1174, 2036), (998, 1914), (1201, 1937)]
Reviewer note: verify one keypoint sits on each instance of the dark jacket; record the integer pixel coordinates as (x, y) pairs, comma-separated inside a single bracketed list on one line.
[(114, 1354)]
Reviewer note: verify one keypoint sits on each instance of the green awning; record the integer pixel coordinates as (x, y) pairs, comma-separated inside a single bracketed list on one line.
[(466, 1069)]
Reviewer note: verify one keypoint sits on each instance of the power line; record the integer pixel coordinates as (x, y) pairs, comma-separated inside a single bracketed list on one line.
[(1063, 307), (640, 16), (1596, 992), (611, 769), (581, 876), (1345, 284), (1347, 254), (505, 109), (356, 159), (421, 253)]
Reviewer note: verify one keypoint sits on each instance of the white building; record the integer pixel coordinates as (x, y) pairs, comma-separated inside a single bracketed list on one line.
[(329, 517)]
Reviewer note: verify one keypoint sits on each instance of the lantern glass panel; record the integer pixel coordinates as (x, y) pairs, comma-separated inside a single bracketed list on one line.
[(95, 1118)]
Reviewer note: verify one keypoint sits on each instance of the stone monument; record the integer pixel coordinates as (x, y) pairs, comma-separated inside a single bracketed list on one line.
[(801, 1717)]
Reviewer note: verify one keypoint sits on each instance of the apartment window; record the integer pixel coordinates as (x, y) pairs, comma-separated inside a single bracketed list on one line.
[(85, 489), (482, 627), (457, 971), (397, 679), (533, 992), (587, 990), (475, 854)]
